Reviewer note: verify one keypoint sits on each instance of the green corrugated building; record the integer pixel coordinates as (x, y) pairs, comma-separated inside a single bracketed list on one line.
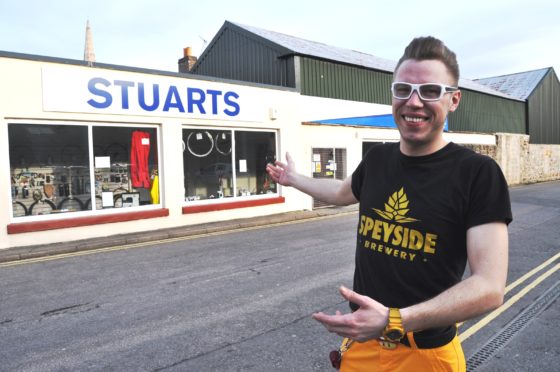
[(251, 54)]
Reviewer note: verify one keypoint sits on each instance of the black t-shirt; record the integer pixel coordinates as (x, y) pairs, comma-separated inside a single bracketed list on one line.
[(414, 215)]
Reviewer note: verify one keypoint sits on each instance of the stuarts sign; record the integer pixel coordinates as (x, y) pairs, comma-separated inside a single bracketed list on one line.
[(115, 92)]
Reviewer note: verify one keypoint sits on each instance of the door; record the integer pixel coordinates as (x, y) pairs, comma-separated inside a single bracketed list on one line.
[(328, 163)]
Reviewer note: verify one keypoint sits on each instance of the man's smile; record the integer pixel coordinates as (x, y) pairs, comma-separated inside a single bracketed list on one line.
[(415, 119)]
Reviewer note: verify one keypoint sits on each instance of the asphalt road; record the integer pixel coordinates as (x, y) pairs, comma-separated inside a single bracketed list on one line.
[(242, 301)]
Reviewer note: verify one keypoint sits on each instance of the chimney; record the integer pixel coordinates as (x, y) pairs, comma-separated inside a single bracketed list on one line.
[(89, 54), (187, 62)]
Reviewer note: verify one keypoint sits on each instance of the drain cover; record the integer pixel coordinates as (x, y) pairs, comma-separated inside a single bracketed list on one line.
[(514, 326)]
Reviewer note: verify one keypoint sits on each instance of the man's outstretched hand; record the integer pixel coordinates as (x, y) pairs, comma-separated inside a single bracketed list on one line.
[(366, 323), (282, 172)]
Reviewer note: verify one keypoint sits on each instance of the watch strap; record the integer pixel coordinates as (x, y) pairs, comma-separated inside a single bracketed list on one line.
[(394, 331)]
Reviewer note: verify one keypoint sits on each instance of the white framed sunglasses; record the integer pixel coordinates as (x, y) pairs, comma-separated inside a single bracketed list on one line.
[(426, 91)]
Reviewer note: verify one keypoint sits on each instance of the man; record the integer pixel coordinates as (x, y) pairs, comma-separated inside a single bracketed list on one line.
[(426, 207)]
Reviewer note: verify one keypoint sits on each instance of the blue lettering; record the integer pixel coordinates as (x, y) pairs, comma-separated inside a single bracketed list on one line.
[(99, 92), (231, 103), (102, 97), (214, 94), (173, 94), (196, 101), (124, 91), (142, 97)]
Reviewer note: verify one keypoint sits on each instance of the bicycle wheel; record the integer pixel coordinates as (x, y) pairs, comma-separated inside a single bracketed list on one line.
[(72, 204), (201, 145), (41, 207), (98, 203), (117, 201), (19, 209), (222, 142)]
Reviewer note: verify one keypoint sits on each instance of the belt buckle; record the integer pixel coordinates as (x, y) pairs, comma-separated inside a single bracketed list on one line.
[(385, 344)]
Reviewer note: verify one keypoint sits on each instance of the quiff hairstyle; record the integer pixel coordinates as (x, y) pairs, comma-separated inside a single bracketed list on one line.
[(423, 48)]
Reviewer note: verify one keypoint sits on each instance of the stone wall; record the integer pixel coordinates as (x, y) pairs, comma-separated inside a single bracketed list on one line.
[(521, 161)]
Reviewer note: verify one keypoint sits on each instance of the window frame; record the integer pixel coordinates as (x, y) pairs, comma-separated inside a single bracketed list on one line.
[(235, 199), (92, 212)]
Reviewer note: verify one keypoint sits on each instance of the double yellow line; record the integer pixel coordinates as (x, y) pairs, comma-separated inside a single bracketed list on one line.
[(506, 305)]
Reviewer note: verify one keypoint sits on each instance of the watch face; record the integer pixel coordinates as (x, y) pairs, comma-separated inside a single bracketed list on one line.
[(394, 335)]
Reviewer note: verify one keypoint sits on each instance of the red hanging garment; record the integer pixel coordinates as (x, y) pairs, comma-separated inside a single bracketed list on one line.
[(139, 152)]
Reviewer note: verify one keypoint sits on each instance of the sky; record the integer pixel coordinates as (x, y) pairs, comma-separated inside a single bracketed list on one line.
[(490, 37)]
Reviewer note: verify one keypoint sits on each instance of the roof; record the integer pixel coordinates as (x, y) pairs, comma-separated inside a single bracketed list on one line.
[(320, 50), (188, 75), (519, 85), (304, 47)]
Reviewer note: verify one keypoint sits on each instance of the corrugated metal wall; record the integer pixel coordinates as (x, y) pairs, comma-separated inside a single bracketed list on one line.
[(234, 55), (332, 80), (238, 55), (479, 112), (544, 111)]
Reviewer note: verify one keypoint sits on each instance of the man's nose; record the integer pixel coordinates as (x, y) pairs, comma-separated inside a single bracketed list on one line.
[(414, 99)]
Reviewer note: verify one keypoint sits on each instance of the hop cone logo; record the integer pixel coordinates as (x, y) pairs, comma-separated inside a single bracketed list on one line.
[(396, 208)]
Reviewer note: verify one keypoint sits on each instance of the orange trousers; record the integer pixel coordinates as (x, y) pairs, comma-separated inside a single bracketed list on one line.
[(370, 356)]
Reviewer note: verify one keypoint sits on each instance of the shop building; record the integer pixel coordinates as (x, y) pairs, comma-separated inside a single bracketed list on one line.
[(98, 150), (92, 150)]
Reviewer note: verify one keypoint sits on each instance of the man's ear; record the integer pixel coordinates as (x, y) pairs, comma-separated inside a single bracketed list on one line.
[(455, 99)]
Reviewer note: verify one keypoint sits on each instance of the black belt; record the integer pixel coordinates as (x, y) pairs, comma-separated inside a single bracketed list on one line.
[(432, 338)]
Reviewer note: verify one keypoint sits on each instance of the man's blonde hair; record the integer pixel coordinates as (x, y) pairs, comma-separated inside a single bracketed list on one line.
[(423, 48)]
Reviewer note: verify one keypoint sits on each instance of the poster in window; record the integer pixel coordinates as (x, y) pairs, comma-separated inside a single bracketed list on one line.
[(107, 199), (130, 199)]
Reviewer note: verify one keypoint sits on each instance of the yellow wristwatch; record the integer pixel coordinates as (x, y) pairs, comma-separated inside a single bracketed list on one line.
[(394, 330)]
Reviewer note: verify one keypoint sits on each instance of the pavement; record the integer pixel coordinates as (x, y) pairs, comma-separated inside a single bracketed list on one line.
[(43, 250)]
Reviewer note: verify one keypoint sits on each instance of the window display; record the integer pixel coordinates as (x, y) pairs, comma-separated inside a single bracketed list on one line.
[(253, 151), (207, 159), (49, 168), (51, 172), (125, 163), (213, 171)]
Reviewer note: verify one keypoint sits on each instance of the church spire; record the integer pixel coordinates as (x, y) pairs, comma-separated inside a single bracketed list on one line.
[(89, 54)]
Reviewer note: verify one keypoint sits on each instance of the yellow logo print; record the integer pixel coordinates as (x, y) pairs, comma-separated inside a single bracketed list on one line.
[(396, 208)]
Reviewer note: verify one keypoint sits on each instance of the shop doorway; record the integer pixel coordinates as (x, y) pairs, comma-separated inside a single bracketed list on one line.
[(328, 163)]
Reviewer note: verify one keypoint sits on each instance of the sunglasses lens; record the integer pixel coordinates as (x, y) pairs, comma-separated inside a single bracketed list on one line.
[(430, 91), (402, 90)]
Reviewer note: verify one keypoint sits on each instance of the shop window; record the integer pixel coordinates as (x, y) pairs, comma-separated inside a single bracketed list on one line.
[(49, 168), (51, 173), (213, 171), (126, 166), (253, 151)]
